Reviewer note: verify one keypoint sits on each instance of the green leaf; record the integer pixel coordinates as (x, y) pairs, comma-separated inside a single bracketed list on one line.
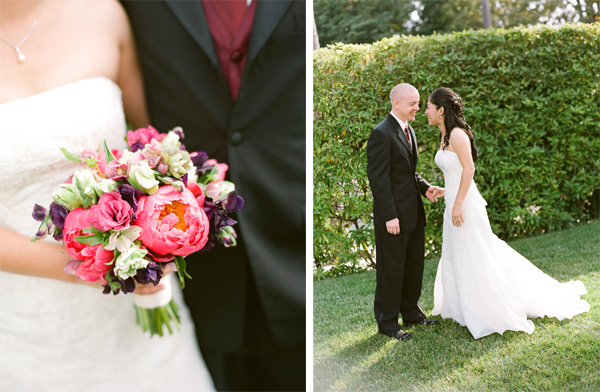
[(114, 286), (109, 155), (70, 156), (97, 237), (91, 239), (181, 272)]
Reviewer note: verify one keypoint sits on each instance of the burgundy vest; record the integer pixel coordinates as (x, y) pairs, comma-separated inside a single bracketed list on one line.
[(230, 23)]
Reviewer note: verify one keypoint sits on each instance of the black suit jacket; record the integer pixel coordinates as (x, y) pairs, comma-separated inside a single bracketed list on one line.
[(262, 138), (394, 182)]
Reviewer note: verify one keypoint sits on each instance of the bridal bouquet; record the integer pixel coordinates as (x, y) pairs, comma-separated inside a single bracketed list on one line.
[(127, 214)]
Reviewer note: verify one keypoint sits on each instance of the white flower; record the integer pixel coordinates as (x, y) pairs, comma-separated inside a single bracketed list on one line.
[(85, 182), (104, 186), (122, 240), (129, 262), (81, 192), (141, 177), (170, 143)]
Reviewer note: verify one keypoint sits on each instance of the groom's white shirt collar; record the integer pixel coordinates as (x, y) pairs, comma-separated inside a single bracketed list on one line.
[(402, 123)]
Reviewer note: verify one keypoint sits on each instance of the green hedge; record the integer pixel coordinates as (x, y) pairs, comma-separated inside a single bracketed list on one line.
[(531, 96)]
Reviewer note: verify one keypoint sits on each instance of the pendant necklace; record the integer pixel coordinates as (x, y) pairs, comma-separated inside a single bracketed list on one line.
[(20, 56)]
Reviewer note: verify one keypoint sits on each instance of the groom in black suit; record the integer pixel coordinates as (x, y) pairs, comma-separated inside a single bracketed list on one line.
[(398, 215), (232, 74)]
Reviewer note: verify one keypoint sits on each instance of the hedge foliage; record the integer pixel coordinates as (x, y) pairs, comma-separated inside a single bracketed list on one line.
[(531, 96)]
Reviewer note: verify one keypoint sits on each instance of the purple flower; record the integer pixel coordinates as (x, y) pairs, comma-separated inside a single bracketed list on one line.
[(151, 274), (233, 202), (41, 233), (127, 285), (118, 285), (138, 145), (179, 132), (130, 195), (58, 213), (39, 212), (199, 159)]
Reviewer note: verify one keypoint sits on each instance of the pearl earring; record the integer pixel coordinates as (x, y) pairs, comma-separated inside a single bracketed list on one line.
[(440, 116)]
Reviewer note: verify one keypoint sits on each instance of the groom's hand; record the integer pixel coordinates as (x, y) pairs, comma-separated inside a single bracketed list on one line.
[(433, 192), (393, 226)]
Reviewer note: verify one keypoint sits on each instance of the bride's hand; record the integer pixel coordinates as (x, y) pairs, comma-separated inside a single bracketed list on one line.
[(457, 215), (432, 193), (147, 289)]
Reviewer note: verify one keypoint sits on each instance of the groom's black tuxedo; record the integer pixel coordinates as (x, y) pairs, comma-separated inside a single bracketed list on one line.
[(397, 190), (254, 292)]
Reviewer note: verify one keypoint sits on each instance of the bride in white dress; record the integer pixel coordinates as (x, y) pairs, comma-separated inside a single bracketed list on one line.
[(481, 282), (58, 333)]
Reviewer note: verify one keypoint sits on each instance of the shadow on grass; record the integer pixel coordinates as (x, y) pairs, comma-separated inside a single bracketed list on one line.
[(352, 356)]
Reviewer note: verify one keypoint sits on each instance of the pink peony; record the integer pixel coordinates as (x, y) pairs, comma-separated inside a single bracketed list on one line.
[(172, 223), (77, 220), (142, 136), (112, 212), (197, 192), (96, 263)]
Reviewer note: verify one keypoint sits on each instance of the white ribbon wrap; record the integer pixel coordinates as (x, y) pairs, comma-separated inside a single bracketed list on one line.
[(156, 300)]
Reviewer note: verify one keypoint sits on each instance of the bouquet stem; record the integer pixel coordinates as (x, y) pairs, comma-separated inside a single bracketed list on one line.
[(155, 310)]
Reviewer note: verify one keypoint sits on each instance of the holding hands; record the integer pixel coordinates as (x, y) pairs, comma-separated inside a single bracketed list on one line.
[(433, 192)]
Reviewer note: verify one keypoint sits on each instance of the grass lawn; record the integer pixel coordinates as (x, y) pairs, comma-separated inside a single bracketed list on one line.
[(349, 354)]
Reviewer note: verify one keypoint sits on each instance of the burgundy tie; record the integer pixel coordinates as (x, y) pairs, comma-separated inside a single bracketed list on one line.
[(408, 137)]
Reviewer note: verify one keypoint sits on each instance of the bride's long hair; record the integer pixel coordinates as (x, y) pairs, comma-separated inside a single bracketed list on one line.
[(453, 116)]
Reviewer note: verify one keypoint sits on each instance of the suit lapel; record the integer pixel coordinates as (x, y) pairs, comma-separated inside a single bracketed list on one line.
[(191, 15), (413, 137), (267, 17), (399, 133)]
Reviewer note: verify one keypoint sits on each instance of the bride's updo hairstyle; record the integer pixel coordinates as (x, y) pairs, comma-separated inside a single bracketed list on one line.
[(453, 116)]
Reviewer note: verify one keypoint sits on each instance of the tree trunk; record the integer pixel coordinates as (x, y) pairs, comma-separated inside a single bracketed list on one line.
[(487, 16), (315, 35)]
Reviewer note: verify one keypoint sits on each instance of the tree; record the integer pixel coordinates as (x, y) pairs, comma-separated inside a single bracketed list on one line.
[(361, 21), (366, 21), (447, 16), (456, 15), (486, 14)]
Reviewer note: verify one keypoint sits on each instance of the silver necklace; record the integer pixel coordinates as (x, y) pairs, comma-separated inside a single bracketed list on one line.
[(20, 56)]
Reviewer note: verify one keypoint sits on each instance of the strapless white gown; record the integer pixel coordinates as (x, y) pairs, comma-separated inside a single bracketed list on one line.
[(57, 336), (481, 282)]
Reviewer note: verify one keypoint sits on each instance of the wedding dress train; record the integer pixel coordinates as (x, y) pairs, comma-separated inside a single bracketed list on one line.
[(57, 336), (481, 282)]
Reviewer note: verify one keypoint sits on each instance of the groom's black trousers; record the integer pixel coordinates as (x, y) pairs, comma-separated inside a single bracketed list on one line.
[(400, 261)]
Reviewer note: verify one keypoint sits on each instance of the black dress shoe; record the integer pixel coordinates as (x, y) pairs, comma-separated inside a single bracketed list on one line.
[(399, 334), (425, 321)]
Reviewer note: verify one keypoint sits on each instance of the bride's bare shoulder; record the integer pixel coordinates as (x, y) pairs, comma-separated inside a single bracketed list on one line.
[(105, 15)]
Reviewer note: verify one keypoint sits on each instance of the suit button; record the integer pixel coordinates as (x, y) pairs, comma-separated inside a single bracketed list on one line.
[(236, 138), (236, 57)]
